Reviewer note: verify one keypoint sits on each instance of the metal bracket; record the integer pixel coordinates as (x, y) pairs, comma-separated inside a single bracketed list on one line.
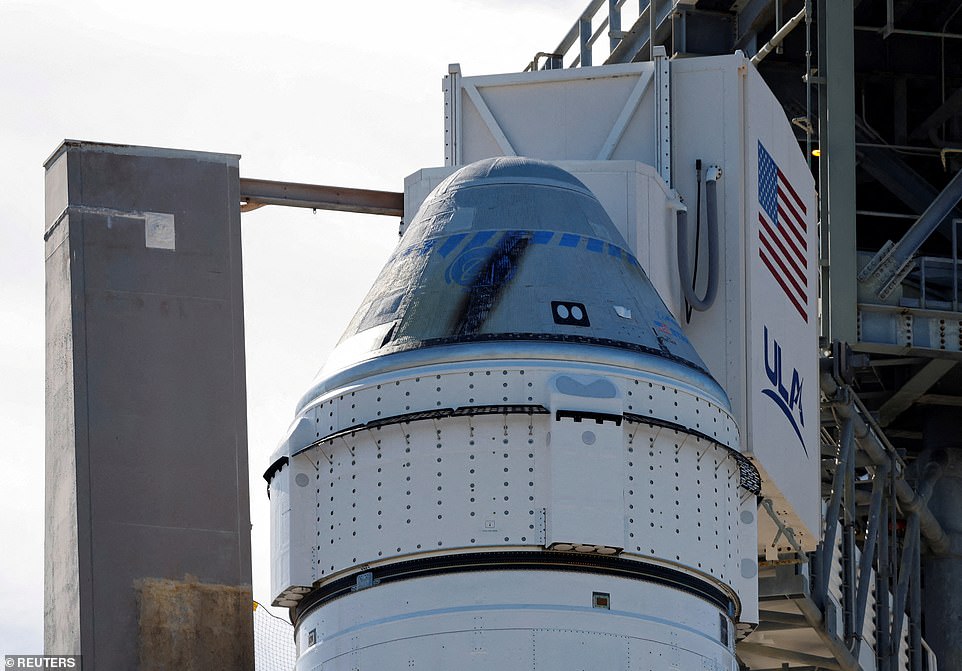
[(662, 113), (452, 115), (783, 530), (365, 581)]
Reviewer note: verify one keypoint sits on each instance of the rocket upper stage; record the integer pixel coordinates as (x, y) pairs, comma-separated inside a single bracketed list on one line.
[(511, 250)]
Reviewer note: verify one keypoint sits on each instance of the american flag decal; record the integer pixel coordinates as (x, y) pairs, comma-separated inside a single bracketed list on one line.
[(781, 232)]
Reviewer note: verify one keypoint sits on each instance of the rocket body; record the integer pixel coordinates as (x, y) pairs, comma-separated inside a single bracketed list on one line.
[(514, 458)]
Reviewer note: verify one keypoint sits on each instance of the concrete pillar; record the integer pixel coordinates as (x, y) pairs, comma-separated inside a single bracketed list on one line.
[(147, 552), (942, 576)]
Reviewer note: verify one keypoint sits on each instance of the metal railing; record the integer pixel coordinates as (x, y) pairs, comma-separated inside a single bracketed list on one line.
[(938, 280), (600, 18)]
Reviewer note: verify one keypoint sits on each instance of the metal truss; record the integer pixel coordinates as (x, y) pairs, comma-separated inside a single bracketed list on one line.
[(855, 603)]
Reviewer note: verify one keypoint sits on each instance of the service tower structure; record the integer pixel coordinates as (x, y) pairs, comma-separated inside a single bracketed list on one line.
[(514, 458)]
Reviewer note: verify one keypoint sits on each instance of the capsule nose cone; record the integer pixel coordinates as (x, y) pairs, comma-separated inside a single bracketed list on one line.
[(512, 249)]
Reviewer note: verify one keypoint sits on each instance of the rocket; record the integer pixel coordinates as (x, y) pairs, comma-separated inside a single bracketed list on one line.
[(514, 458)]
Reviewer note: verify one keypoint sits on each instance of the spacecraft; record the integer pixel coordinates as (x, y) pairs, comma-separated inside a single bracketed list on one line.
[(514, 458)]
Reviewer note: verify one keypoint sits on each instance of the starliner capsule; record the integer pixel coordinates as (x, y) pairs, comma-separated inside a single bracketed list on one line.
[(514, 459)]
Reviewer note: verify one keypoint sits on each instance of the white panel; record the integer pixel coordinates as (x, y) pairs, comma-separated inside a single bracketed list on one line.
[(656, 492), (562, 114), (612, 183), (461, 482), (417, 186), (293, 529), (783, 417), (714, 138), (730, 337), (746, 581), (553, 650), (281, 532), (681, 495), (585, 505), (480, 141), (492, 620), (516, 382), (159, 230), (56, 195), (654, 218)]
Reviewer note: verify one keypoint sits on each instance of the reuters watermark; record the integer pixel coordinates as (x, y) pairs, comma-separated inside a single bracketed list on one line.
[(41, 662)]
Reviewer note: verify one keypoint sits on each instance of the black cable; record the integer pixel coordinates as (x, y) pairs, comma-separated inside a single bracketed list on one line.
[(694, 274)]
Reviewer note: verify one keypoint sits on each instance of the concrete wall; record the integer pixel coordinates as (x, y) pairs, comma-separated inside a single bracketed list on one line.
[(146, 449)]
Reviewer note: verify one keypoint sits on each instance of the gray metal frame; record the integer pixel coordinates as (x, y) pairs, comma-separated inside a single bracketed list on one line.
[(877, 498)]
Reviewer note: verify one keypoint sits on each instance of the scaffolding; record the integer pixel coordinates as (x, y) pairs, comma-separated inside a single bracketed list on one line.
[(891, 319)]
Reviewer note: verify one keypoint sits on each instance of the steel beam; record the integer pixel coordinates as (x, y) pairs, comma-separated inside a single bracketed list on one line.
[(879, 160), (750, 17), (770, 626), (883, 580), (638, 40), (256, 193), (915, 609), (614, 24), (849, 587), (940, 399), (795, 589), (843, 656), (905, 573), (701, 32), (584, 35), (889, 265), (574, 33), (912, 390), (871, 440), (892, 329), (868, 554), (785, 654), (947, 110), (909, 576), (837, 139), (847, 442), (785, 620), (895, 175)]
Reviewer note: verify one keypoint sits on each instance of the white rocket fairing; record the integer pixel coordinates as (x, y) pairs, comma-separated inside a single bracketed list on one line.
[(514, 458)]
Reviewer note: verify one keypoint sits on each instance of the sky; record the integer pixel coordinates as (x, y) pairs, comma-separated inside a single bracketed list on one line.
[(345, 94)]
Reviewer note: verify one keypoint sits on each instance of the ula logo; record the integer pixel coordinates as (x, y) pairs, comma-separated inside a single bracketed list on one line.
[(788, 399)]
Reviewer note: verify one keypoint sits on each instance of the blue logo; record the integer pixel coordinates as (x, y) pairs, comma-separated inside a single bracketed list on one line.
[(465, 268), (788, 400), (479, 266)]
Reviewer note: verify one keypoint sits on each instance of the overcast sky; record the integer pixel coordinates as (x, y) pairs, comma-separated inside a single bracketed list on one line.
[(342, 93)]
